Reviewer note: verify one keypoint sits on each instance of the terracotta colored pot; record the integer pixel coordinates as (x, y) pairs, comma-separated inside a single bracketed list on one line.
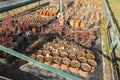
[(54, 14), (74, 66), (72, 23), (51, 14), (41, 12), (38, 12), (48, 60), (93, 64), (82, 25), (47, 14), (44, 13), (77, 23), (56, 62), (65, 63), (61, 22), (40, 58), (84, 69), (34, 30)]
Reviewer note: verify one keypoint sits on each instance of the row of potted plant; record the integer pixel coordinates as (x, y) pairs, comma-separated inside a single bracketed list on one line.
[(45, 13), (48, 11), (82, 37), (65, 63), (83, 24), (84, 14)]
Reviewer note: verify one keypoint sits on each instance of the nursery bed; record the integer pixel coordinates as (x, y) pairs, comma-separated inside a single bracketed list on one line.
[(47, 33)]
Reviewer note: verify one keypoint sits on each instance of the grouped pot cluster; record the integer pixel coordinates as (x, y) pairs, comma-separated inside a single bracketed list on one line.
[(84, 37), (13, 31), (66, 56), (84, 14), (48, 11)]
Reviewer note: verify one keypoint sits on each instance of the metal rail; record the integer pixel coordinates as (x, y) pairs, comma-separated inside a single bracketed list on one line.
[(112, 39), (16, 5), (115, 38)]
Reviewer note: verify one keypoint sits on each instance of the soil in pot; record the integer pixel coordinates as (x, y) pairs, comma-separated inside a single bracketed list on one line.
[(56, 62), (63, 54), (48, 60), (81, 54), (65, 63), (93, 64), (55, 54), (39, 52), (88, 51), (72, 56), (82, 59), (90, 56), (84, 69), (74, 66), (40, 58)]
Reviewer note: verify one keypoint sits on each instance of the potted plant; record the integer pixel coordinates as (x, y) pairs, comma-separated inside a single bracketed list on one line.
[(40, 58), (41, 12), (45, 52), (82, 25), (82, 59), (74, 66), (81, 53), (72, 23), (93, 64), (77, 23), (84, 69), (63, 54), (38, 12), (61, 21), (33, 56), (72, 56), (55, 53), (88, 51), (90, 56), (48, 60), (65, 63), (56, 62), (39, 52), (55, 14)]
